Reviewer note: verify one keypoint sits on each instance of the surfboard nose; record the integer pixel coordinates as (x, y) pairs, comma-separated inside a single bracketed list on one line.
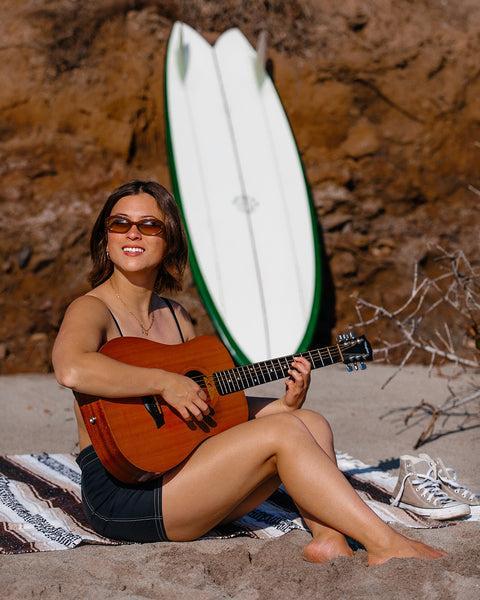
[(238, 177)]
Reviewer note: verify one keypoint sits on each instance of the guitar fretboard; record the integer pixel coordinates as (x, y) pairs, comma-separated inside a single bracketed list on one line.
[(240, 378)]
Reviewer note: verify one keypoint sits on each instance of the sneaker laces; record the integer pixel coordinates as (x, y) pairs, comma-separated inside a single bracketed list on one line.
[(458, 488), (427, 486)]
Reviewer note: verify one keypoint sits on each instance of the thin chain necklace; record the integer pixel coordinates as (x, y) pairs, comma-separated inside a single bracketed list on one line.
[(145, 330)]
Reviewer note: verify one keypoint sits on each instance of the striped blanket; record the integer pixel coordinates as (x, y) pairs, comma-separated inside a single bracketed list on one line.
[(40, 506)]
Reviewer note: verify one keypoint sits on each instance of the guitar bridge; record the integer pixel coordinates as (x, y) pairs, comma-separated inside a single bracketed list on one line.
[(150, 403)]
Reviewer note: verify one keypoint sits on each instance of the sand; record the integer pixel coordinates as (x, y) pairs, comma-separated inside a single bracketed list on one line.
[(37, 416)]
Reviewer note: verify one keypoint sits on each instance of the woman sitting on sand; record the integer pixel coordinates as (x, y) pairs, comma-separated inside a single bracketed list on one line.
[(138, 250)]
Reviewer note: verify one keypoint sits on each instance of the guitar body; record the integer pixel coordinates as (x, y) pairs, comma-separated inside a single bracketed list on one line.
[(137, 439)]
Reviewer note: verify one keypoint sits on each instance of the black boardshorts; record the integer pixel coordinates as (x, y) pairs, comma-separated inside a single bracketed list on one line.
[(117, 510)]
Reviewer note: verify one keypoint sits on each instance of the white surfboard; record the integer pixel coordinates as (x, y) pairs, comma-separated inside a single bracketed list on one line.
[(238, 177)]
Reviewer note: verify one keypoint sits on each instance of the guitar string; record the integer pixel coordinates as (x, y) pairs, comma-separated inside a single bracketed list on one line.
[(263, 368)]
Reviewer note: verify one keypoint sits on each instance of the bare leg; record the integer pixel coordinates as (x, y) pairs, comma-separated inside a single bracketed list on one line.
[(227, 468), (327, 543), (264, 491)]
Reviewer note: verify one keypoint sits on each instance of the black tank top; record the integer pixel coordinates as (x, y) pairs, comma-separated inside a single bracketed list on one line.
[(169, 304)]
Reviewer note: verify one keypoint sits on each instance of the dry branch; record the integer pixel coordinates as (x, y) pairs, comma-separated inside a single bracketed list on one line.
[(439, 323)]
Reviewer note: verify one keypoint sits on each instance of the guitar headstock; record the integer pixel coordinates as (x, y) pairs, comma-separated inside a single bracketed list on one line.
[(355, 350)]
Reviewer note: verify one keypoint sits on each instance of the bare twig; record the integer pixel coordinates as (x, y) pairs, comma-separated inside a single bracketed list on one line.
[(402, 364), (474, 189), (440, 320), (447, 411), (455, 289), (428, 430)]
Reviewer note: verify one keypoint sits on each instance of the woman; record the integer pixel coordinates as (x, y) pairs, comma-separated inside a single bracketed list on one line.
[(138, 249)]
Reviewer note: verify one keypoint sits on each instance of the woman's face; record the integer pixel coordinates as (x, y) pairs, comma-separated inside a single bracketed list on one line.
[(133, 251)]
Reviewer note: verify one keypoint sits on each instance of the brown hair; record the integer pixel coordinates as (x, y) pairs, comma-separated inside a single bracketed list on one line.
[(170, 272)]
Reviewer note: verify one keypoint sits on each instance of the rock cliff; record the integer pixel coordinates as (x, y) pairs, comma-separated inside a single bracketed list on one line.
[(383, 97)]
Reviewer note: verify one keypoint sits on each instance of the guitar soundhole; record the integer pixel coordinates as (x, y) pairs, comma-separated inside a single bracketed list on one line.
[(207, 422), (197, 376)]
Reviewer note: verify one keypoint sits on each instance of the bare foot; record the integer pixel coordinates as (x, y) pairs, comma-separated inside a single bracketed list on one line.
[(327, 548), (404, 548)]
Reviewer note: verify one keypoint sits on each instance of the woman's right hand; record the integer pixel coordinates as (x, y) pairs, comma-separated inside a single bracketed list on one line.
[(184, 395)]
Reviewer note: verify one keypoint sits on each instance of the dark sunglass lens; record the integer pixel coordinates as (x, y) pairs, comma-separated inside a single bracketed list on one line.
[(118, 225), (151, 227)]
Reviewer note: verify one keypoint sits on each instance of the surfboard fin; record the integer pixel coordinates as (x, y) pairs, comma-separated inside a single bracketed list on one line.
[(261, 58), (183, 54)]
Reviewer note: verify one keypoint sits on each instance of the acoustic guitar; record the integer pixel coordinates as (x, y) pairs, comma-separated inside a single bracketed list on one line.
[(140, 438)]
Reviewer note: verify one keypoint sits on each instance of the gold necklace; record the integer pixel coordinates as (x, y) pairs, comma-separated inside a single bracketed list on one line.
[(145, 330)]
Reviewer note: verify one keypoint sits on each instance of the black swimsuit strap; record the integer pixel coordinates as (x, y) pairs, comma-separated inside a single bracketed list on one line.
[(169, 304), (116, 322)]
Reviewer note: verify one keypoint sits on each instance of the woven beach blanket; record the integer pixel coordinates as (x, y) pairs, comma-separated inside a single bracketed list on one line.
[(40, 505)]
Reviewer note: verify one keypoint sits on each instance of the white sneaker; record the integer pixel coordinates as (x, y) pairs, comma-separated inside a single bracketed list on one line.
[(418, 490), (452, 487)]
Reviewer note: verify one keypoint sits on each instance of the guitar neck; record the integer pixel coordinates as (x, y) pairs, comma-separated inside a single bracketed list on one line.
[(247, 376)]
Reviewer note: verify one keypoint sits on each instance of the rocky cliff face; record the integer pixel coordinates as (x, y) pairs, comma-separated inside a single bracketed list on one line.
[(383, 97)]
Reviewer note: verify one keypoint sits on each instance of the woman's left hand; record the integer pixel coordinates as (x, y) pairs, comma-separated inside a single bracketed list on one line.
[(297, 383)]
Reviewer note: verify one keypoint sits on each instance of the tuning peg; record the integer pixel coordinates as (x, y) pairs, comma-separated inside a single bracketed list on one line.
[(363, 366), (351, 336), (349, 368)]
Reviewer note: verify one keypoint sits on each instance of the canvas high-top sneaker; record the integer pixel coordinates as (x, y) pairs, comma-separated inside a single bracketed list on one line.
[(452, 487), (419, 491)]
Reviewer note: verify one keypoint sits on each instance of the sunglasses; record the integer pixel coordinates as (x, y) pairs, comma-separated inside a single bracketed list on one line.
[(148, 226)]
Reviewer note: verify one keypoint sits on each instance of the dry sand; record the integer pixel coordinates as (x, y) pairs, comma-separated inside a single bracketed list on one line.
[(37, 416)]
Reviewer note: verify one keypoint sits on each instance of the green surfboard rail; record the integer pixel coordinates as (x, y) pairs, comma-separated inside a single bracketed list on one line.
[(227, 338)]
